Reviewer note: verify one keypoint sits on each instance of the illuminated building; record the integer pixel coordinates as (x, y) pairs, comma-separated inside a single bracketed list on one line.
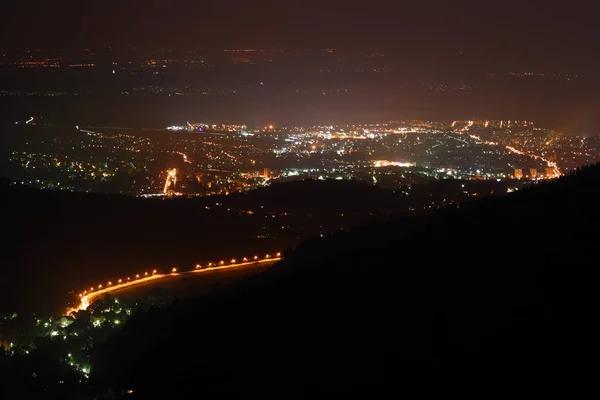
[(549, 172), (267, 173), (532, 173), (518, 173)]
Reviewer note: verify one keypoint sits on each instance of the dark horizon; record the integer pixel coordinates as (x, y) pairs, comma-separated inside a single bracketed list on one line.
[(553, 34)]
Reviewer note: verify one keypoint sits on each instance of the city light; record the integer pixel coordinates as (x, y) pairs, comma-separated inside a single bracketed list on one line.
[(384, 163)]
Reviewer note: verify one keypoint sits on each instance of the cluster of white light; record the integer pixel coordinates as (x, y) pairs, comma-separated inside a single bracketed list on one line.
[(384, 163)]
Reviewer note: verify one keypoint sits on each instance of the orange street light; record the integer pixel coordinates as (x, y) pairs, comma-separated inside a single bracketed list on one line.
[(221, 262), (174, 270), (210, 264), (233, 260), (278, 254), (109, 283), (120, 280), (244, 259), (145, 274), (99, 286), (267, 256), (197, 266), (137, 276), (256, 257), (153, 272)]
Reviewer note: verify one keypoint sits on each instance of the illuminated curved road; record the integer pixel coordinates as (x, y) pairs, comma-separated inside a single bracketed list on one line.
[(88, 297)]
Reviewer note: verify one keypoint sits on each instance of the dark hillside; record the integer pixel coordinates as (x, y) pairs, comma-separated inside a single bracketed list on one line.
[(56, 242), (496, 292)]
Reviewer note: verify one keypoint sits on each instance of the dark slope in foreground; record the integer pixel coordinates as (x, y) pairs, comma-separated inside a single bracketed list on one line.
[(497, 292), (77, 239)]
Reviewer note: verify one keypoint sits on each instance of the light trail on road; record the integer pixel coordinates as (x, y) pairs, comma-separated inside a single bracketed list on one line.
[(85, 298), (171, 177)]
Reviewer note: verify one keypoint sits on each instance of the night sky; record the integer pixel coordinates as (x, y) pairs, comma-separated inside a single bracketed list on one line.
[(464, 41), (554, 34)]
